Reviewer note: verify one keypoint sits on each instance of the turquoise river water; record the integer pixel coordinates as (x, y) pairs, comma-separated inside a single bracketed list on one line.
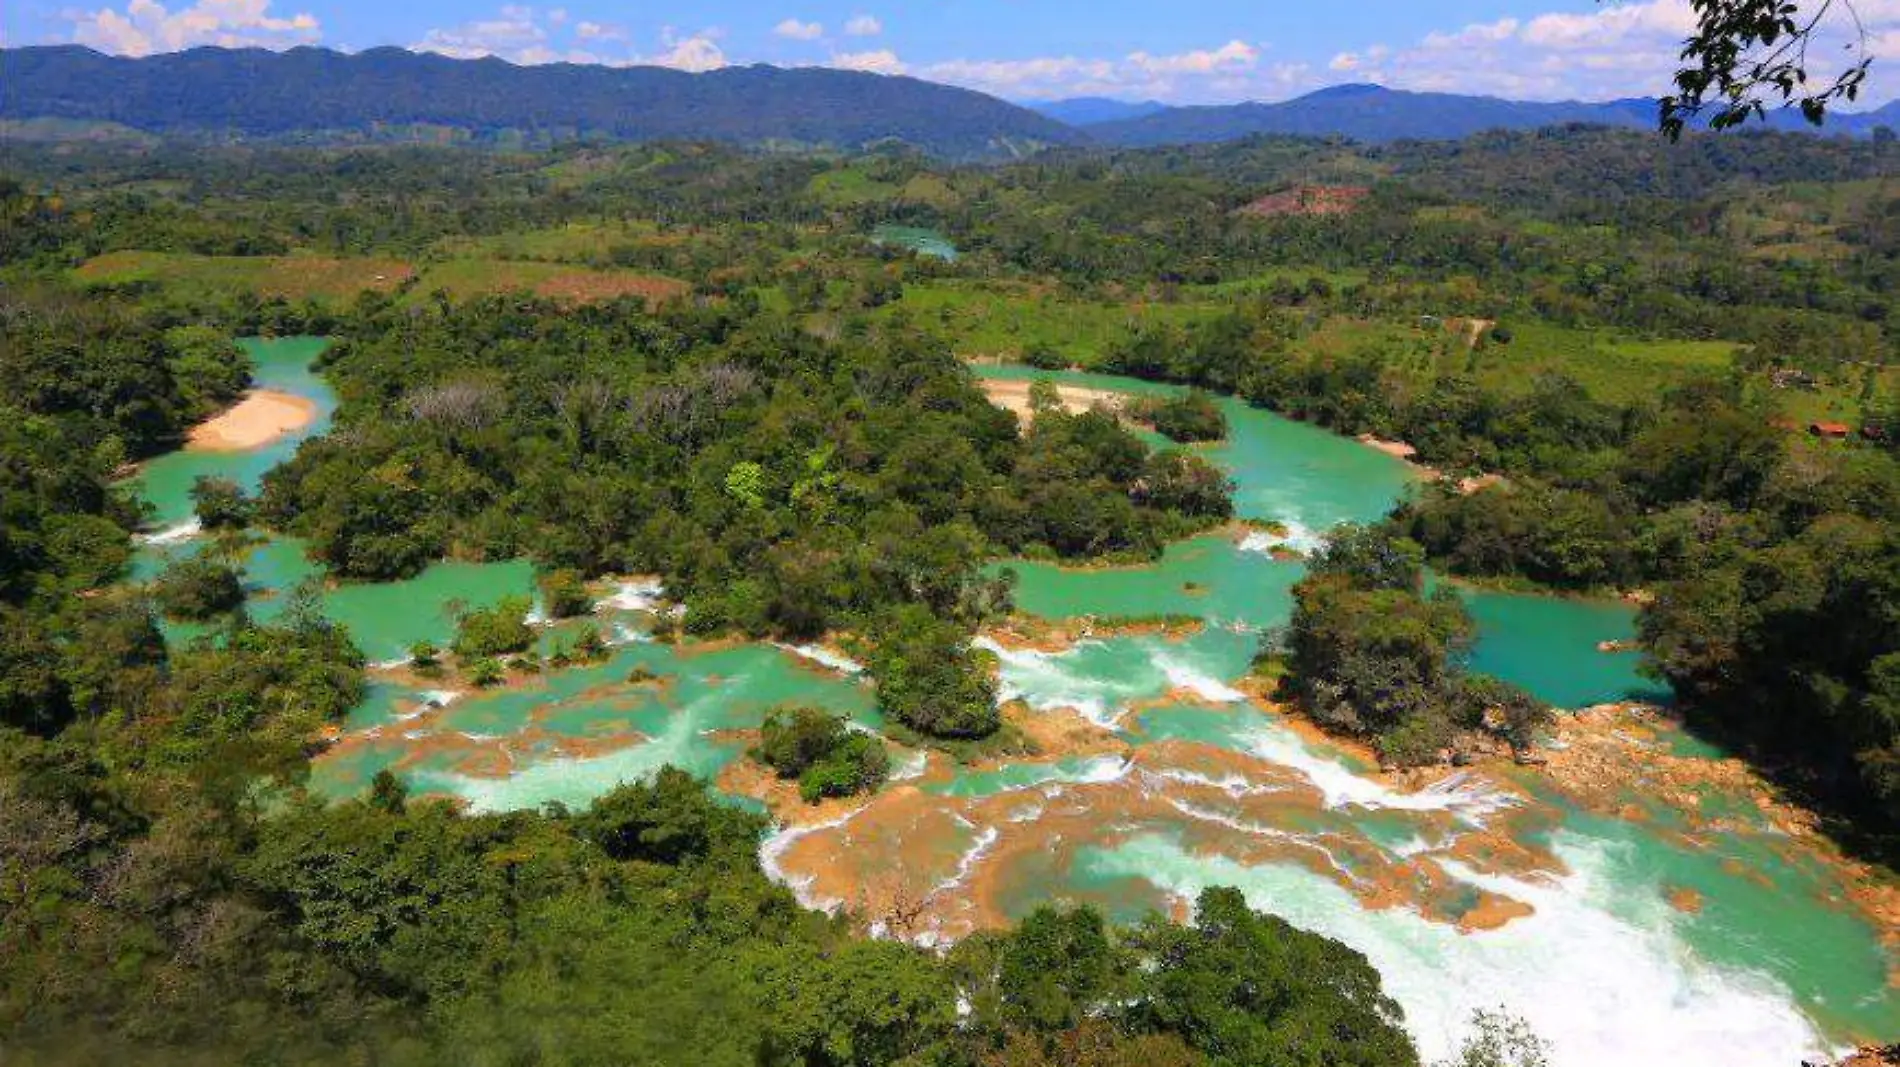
[(1478, 890)]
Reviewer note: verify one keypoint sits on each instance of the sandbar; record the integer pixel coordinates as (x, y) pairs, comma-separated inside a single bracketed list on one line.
[(261, 417)]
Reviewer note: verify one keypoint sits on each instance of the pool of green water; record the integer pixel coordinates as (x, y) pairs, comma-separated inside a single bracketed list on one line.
[(924, 242), (284, 364), (1606, 968)]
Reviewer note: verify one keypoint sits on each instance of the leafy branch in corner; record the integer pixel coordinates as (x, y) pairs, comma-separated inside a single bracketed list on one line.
[(1748, 54)]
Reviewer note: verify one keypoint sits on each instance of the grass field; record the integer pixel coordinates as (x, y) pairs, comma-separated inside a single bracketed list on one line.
[(1611, 368), (576, 242), (325, 279), (851, 187), (1803, 221), (1003, 320), (333, 280), (463, 278)]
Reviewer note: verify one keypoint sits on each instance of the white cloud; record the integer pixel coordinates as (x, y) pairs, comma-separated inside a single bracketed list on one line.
[(599, 31), (696, 53), (863, 26), (1228, 71), (146, 26), (1230, 56), (882, 61), (514, 34), (799, 31), (1617, 50), (523, 35)]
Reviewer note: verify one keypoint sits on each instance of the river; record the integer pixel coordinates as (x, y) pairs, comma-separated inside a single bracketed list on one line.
[(1678, 925)]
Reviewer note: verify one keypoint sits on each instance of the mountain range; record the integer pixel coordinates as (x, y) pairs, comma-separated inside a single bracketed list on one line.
[(1373, 113), (1095, 110), (307, 94)]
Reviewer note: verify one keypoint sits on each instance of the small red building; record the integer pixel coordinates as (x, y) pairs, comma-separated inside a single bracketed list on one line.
[(1833, 431)]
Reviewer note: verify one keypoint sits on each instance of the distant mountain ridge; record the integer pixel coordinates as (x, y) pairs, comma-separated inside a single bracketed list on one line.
[(254, 93), (1375, 114), (316, 94), (1085, 111)]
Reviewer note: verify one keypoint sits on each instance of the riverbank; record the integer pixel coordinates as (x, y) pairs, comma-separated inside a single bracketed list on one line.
[(1013, 397), (263, 416)]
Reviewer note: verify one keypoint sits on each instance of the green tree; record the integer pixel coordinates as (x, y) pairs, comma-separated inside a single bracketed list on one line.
[(220, 503)]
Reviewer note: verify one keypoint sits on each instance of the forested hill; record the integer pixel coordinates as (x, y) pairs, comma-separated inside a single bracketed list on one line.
[(389, 92), (1375, 114)]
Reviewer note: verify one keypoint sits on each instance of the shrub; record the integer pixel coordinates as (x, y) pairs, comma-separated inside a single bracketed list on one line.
[(1193, 416), (564, 594), (485, 671), (220, 503), (495, 631), (929, 679), (818, 749), (198, 588), (1044, 356)]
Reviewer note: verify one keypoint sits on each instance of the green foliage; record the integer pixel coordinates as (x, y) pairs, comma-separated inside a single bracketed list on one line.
[(564, 594), (1499, 1039), (819, 750), (1367, 653), (670, 820), (198, 587), (495, 631), (484, 671), (1189, 418), (220, 503), (930, 680), (1247, 988)]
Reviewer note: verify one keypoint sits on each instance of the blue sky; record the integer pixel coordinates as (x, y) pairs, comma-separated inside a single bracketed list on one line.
[(1201, 52)]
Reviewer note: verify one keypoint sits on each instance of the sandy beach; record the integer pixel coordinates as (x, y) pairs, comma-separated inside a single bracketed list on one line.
[(1014, 396), (260, 418)]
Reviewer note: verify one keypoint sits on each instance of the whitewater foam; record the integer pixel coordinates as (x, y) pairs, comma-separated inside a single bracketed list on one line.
[(1048, 681), (172, 535), (1599, 970), (1182, 676), (772, 852), (1298, 538), (824, 657), (1459, 794), (643, 595)]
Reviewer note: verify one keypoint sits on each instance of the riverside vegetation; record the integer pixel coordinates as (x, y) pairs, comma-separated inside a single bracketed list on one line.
[(796, 449)]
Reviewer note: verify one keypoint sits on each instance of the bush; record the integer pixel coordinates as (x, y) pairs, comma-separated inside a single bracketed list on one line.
[(1193, 416), (198, 588), (929, 679), (484, 671), (564, 594), (496, 631), (220, 503), (1044, 356), (818, 749), (589, 646)]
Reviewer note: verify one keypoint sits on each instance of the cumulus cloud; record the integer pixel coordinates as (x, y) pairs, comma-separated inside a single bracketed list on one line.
[(1234, 55), (514, 34), (523, 35), (1619, 50), (1224, 72), (881, 61), (799, 31), (696, 52), (863, 26), (599, 31), (145, 27)]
